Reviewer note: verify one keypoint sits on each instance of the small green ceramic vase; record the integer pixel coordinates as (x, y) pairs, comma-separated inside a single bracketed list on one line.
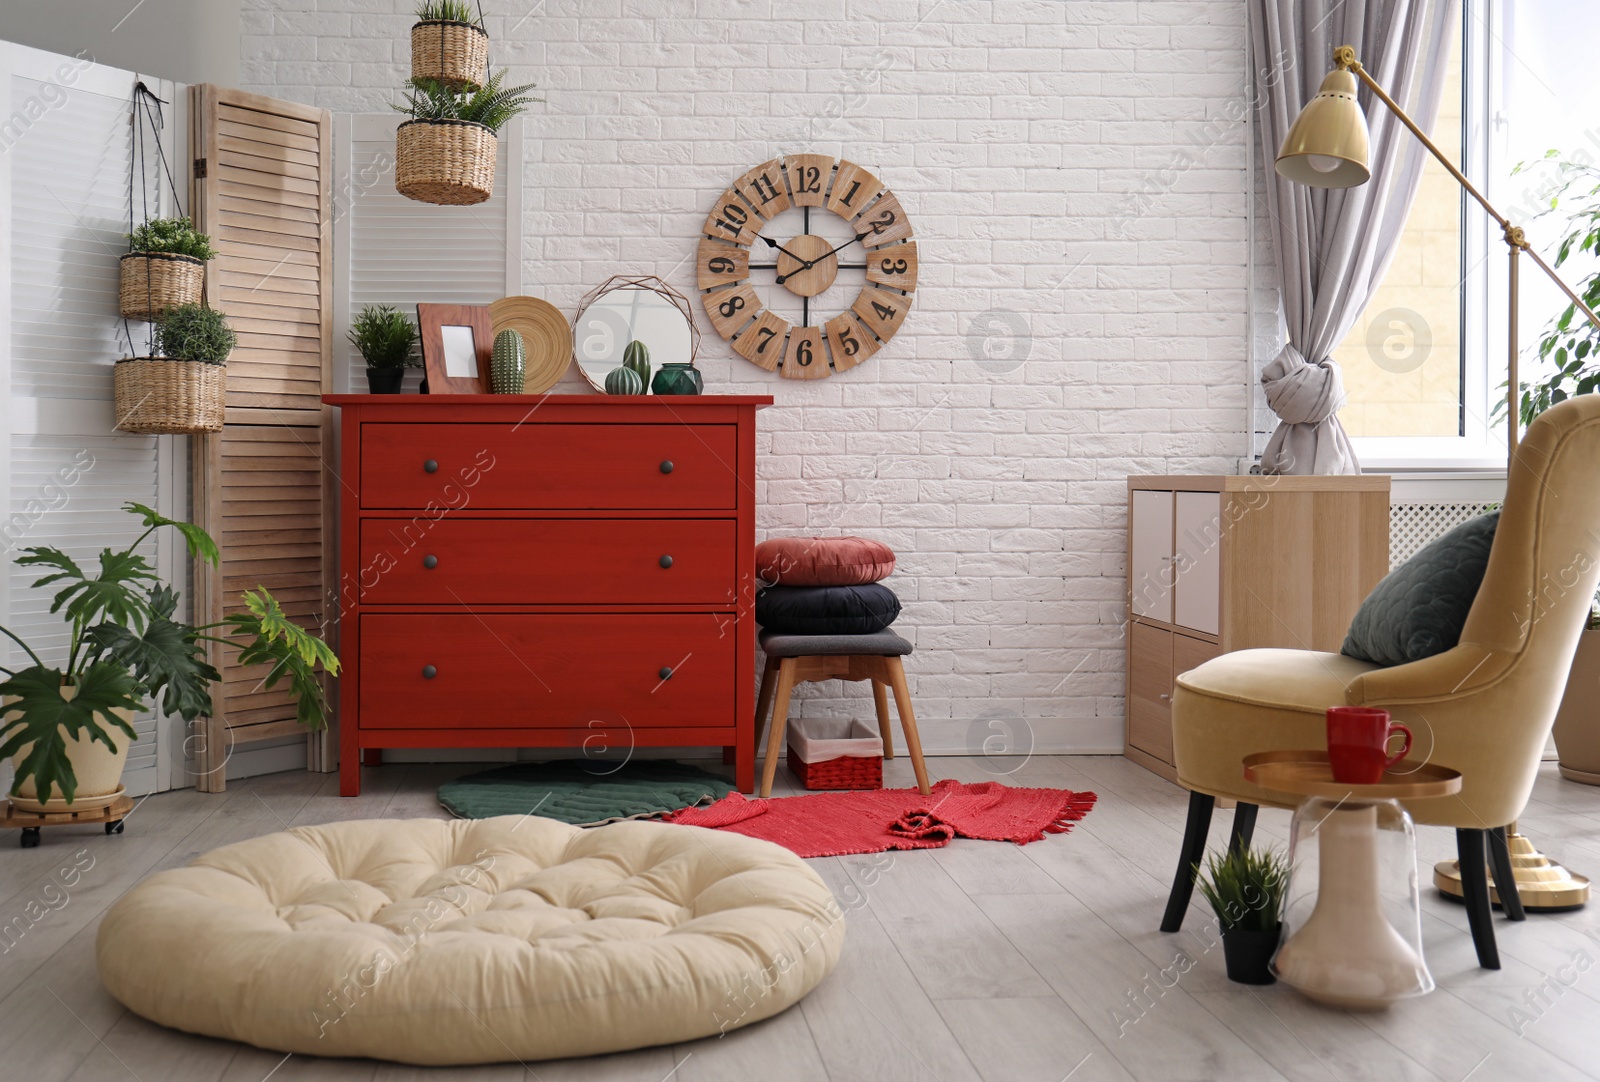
[(677, 379)]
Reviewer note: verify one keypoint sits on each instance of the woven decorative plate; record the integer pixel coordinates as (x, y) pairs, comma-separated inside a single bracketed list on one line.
[(546, 336)]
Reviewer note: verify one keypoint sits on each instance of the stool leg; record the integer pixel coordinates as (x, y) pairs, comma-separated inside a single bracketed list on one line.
[(1194, 847), (780, 718), (764, 697), (880, 700), (1505, 880), (908, 720), (1475, 893), (1244, 827)]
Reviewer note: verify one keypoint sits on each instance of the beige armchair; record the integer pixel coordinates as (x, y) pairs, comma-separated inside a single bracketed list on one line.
[(1484, 707)]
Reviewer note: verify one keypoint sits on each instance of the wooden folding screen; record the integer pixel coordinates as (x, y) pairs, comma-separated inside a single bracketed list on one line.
[(262, 187)]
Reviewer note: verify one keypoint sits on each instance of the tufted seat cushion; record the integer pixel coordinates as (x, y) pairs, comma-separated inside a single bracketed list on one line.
[(475, 941)]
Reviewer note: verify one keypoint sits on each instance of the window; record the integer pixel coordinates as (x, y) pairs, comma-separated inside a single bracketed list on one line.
[(1425, 364)]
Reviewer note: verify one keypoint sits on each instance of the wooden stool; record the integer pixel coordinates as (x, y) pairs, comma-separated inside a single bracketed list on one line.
[(795, 658)]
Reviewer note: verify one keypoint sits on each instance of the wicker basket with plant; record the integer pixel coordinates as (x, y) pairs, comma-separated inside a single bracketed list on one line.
[(449, 45), (445, 153), (166, 268), (184, 387)]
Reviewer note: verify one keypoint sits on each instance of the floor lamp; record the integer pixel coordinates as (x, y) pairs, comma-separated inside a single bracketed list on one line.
[(1327, 147)]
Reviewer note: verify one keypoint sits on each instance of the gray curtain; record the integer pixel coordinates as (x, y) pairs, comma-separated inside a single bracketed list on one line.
[(1333, 247)]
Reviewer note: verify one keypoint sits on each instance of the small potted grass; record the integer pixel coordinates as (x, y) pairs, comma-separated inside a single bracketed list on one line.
[(445, 154), (1246, 889), (183, 388), (387, 342), (165, 268), (449, 45)]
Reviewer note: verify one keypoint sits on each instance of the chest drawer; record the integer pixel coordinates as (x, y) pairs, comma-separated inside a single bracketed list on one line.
[(549, 466), (499, 670), (460, 561)]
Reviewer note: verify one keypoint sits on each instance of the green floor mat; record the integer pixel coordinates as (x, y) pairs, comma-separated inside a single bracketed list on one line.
[(582, 792)]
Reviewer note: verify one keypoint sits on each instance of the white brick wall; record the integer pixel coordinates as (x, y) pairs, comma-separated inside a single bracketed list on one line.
[(1075, 169)]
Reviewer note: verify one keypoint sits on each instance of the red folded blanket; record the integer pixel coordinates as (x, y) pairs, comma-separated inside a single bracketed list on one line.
[(871, 821)]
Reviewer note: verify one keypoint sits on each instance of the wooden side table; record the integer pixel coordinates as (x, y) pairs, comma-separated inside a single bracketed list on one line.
[(1348, 953)]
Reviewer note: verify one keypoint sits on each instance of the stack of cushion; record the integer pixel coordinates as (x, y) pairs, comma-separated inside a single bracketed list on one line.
[(825, 586)]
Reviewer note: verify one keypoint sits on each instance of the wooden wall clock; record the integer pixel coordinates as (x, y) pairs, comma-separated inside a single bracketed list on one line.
[(806, 265)]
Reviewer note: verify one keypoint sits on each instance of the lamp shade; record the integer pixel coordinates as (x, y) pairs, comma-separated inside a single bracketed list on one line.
[(1327, 145)]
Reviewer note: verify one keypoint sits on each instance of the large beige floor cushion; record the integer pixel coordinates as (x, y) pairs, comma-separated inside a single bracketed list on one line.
[(474, 941)]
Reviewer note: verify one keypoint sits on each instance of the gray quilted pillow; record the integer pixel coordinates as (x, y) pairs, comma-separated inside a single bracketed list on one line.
[(1420, 607)]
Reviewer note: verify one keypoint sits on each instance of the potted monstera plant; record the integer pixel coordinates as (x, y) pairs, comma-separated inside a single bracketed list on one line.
[(67, 726)]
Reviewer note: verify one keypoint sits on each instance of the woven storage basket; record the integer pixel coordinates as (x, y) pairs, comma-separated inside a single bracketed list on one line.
[(452, 52), (152, 282), (815, 747), (449, 162), (155, 394)]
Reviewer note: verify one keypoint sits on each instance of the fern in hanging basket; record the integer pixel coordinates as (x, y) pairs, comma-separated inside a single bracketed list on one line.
[(449, 44), (445, 154)]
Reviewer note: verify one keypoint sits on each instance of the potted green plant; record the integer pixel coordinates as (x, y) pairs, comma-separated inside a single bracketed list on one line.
[(387, 341), (449, 44), (165, 267), (67, 726), (445, 153), (183, 388), (1245, 888)]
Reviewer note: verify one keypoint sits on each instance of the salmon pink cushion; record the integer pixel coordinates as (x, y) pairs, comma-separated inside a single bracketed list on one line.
[(823, 561)]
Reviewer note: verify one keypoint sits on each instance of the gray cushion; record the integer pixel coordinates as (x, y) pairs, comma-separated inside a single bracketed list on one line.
[(880, 643), (1420, 607)]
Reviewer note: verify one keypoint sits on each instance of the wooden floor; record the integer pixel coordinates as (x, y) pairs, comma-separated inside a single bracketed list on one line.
[(978, 961)]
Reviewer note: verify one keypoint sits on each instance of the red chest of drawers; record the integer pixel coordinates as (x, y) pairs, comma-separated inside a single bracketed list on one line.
[(546, 571)]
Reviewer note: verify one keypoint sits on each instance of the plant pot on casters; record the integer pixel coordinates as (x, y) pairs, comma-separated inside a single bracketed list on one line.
[(67, 729), (387, 341), (1245, 889)]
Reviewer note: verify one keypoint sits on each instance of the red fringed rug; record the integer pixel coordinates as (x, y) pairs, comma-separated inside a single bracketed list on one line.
[(838, 824)]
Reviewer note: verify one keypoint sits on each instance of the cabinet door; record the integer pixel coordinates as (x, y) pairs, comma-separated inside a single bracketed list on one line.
[(1197, 552), (1150, 690), (1150, 558)]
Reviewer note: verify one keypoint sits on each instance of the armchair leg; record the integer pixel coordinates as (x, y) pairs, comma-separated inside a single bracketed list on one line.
[(1244, 827), (1475, 893), (1194, 847), (1505, 880)]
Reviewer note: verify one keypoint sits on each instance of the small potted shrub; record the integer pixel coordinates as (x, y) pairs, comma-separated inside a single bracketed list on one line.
[(165, 267), (184, 387), (1245, 889), (387, 342), (67, 728), (445, 153), (449, 44)]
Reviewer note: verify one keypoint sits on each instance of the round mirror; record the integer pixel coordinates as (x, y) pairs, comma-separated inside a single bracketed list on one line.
[(632, 309)]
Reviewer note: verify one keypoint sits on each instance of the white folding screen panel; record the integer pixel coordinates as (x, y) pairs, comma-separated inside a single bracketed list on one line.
[(64, 162), (392, 250)]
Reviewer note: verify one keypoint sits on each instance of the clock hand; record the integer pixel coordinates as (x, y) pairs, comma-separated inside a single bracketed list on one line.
[(807, 264), (774, 244)]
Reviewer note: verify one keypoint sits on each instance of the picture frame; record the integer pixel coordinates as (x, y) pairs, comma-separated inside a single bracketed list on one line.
[(457, 345)]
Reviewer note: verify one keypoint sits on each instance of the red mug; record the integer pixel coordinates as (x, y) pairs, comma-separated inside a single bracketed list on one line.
[(1358, 743)]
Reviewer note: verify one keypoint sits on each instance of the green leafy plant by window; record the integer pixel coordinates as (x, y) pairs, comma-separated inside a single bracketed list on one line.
[(385, 337), (125, 646), (1569, 352), (193, 332), (172, 235), (450, 11), (1246, 888), (490, 105)]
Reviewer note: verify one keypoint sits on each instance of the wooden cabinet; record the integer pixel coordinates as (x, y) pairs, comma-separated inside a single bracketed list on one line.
[(1217, 564), (546, 571)]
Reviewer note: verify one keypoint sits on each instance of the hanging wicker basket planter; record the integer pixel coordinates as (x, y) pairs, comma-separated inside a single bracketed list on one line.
[(448, 162), (153, 282), (450, 52), (161, 395)]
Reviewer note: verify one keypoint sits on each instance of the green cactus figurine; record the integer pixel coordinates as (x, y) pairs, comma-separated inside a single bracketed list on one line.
[(507, 364), (624, 381), (637, 357)]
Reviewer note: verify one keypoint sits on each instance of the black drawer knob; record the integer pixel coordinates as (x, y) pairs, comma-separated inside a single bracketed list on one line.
[(430, 466), (429, 672), (666, 466), (666, 672), (430, 562), (666, 561)]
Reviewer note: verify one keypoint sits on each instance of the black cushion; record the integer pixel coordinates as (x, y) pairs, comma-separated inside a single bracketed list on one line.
[(1420, 607), (826, 610)]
